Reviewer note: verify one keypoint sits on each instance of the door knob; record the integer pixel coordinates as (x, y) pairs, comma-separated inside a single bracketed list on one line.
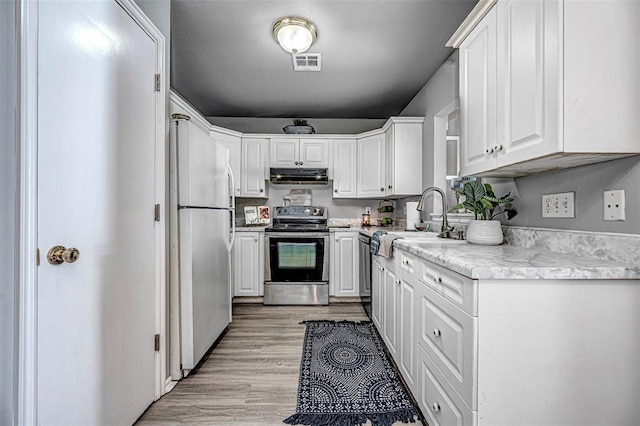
[(61, 254)]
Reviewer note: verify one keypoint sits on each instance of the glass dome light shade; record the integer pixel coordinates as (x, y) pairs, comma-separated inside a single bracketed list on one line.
[(295, 35)]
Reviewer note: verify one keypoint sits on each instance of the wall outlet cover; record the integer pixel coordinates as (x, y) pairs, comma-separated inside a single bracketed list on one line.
[(614, 205), (560, 205)]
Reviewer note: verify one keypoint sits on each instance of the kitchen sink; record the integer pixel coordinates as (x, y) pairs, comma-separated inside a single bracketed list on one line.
[(423, 237)]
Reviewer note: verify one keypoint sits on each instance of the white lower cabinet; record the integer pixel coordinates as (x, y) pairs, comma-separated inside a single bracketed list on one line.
[(390, 307), (344, 272), (377, 275), (248, 264), (510, 352)]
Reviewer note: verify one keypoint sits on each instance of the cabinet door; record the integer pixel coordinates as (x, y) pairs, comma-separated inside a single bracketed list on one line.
[(391, 293), (345, 264), (529, 44), (377, 295), (344, 168), (253, 174), (248, 262), (314, 153), (408, 318), (389, 160), (478, 97), (233, 146), (371, 166), (285, 152)]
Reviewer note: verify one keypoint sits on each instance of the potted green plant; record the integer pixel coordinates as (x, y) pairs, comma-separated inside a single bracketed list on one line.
[(482, 202), (299, 126)]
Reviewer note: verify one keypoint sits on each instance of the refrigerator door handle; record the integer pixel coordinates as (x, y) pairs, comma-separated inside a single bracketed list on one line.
[(232, 207)]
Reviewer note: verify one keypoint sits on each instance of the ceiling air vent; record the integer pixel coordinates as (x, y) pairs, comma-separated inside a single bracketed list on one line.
[(307, 61)]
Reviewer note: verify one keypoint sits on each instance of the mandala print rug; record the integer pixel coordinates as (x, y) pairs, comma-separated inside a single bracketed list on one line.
[(347, 379)]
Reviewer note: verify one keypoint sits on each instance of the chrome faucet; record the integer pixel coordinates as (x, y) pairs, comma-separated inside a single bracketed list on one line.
[(445, 232)]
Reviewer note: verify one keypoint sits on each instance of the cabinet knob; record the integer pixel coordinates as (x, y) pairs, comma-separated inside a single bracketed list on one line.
[(255, 238), (436, 332), (398, 282), (335, 190), (296, 163), (488, 150), (389, 186), (436, 407), (382, 189), (301, 163), (497, 147), (261, 190), (437, 280)]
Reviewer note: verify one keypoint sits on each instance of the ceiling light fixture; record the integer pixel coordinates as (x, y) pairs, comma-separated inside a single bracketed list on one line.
[(295, 35)]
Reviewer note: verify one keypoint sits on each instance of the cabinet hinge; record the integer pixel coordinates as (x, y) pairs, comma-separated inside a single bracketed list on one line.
[(156, 213), (156, 343), (37, 257), (157, 82)]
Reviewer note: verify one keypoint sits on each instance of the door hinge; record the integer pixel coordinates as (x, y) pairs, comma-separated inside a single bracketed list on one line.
[(156, 343), (156, 213), (157, 82), (37, 257)]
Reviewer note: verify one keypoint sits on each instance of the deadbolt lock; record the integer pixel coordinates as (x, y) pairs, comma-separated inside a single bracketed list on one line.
[(61, 254)]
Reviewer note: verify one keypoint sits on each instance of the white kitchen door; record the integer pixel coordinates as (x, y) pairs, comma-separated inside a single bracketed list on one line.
[(96, 192)]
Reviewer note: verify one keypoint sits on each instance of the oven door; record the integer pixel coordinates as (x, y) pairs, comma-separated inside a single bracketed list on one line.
[(297, 257)]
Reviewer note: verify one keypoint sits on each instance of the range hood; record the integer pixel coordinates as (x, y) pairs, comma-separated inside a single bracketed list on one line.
[(299, 176)]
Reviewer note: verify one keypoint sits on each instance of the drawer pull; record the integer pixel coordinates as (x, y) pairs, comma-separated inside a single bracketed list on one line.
[(437, 332), (436, 407), (437, 280)]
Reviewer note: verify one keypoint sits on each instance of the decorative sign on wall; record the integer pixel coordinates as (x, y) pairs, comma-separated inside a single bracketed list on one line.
[(257, 215)]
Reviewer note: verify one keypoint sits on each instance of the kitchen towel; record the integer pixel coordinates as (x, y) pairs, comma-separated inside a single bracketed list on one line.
[(386, 242), (375, 241)]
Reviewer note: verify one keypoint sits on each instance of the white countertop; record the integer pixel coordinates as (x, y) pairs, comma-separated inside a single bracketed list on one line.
[(510, 262)]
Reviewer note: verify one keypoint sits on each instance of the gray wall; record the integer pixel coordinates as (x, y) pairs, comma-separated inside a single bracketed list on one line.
[(588, 182), (440, 90), (8, 209), (321, 125)]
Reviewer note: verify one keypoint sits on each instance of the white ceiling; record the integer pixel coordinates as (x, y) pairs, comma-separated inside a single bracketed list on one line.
[(376, 55)]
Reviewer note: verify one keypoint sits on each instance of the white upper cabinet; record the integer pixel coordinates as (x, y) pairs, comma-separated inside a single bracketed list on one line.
[(403, 152), (233, 145), (345, 163), (556, 105), (528, 99), (371, 166), (254, 151), (478, 96), (309, 153)]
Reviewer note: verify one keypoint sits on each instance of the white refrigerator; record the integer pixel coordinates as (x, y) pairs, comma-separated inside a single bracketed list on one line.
[(203, 197)]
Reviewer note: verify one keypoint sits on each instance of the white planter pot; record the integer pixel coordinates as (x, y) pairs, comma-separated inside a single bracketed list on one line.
[(485, 232)]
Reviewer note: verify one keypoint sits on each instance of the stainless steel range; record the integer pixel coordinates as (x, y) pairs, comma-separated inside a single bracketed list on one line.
[(297, 257)]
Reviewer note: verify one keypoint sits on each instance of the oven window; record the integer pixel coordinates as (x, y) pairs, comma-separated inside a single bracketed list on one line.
[(297, 255), (297, 259)]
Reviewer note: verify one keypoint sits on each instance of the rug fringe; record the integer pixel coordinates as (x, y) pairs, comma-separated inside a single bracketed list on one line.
[(336, 322), (407, 415)]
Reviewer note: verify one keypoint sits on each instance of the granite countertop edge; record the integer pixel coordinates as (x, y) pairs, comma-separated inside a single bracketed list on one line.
[(506, 262)]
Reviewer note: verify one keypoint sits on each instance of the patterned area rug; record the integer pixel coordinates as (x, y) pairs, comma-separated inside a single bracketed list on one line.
[(346, 378)]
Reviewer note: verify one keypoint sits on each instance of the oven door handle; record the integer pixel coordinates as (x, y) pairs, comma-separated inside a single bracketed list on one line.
[(297, 234)]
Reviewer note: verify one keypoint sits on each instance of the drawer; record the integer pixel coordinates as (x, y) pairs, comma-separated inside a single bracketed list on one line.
[(409, 263), (438, 401), (449, 336), (458, 289)]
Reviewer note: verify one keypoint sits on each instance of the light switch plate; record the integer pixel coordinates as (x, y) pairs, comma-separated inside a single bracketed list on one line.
[(614, 205), (559, 205)]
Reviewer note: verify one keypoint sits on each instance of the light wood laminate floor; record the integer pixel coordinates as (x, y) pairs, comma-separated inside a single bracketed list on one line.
[(251, 378)]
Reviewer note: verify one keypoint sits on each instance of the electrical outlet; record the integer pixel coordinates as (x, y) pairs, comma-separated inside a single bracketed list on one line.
[(559, 205), (614, 205)]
